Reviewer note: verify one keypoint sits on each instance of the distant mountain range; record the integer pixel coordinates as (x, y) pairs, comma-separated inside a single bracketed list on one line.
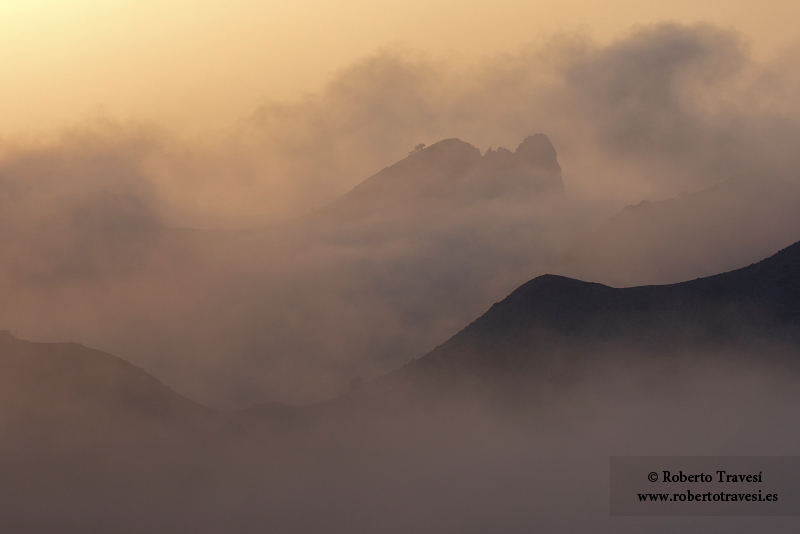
[(547, 327), (92, 443), (452, 174), (736, 222), (389, 270), (89, 441), (294, 311)]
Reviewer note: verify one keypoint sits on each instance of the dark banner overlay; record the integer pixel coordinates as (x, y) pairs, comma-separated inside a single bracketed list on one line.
[(705, 485)]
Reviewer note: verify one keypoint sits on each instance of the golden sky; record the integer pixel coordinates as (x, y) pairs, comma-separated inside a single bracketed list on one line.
[(199, 65)]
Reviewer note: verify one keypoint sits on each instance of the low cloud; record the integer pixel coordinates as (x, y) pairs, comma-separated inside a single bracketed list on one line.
[(663, 109), (93, 225)]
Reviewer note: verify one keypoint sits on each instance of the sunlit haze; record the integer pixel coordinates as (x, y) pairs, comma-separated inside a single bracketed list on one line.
[(426, 267), (200, 66)]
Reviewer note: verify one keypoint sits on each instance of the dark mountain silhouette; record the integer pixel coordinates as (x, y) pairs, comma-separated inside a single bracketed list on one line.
[(734, 223), (91, 443), (552, 325)]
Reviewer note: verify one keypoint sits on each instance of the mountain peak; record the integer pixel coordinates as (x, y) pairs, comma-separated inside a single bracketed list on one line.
[(538, 151), (452, 168), (448, 155), (450, 145)]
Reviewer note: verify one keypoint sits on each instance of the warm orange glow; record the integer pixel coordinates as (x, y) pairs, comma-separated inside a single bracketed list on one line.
[(199, 65)]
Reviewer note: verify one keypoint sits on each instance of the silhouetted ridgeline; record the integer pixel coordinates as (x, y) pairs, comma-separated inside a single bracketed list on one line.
[(292, 312), (90, 443), (452, 174), (552, 325)]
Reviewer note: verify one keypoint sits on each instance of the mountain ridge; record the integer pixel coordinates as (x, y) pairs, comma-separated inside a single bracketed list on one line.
[(452, 169), (547, 319), (756, 304)]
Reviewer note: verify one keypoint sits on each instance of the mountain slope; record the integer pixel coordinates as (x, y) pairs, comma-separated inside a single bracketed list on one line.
[(109, 448), (289, 313), (79, 381), (454, 174), (555, 323)]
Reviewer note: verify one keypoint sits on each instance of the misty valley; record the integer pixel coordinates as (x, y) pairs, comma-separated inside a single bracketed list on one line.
[(458, 344)]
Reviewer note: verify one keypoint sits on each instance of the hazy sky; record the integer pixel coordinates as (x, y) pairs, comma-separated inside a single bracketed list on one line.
[(200, 65)]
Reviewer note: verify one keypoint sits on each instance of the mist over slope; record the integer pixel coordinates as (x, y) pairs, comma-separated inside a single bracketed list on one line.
[(695, 234), (451, 173), (384, 273), (260, 266), (293, 311), (94, 246), (707, 367), (555, 327)]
